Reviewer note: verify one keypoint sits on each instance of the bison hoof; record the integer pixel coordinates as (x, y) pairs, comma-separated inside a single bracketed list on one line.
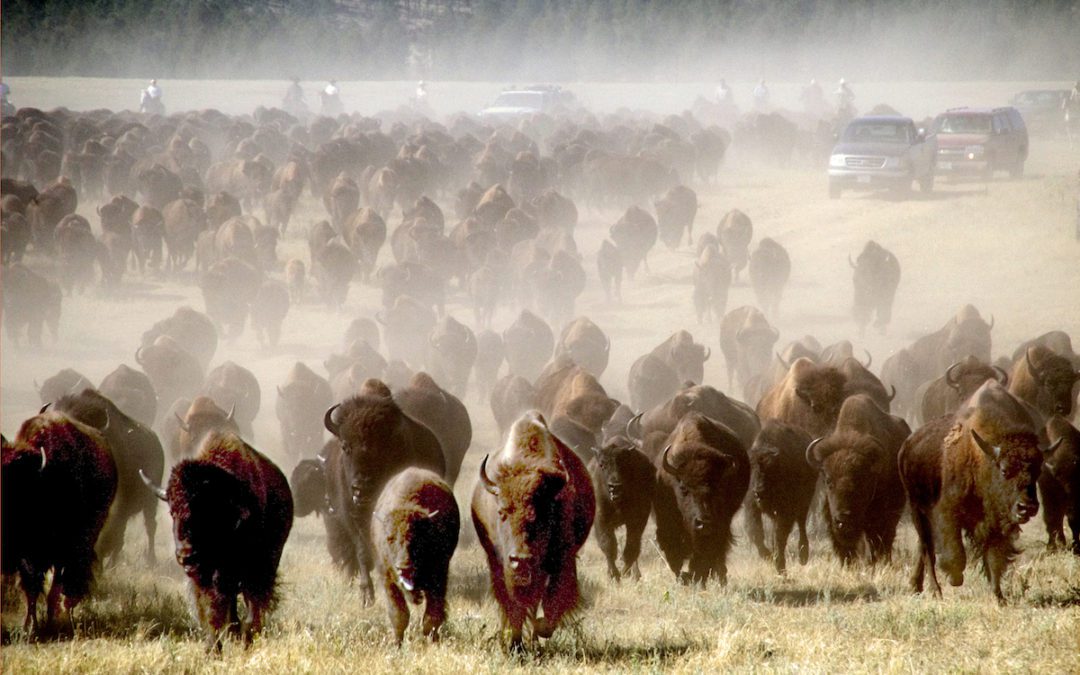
[(543, 629), (367, 596), (956, 578)]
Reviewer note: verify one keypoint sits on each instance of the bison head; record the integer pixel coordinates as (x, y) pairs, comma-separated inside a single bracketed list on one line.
[(1015, 462), (368, 428), (407, 530), (1054, 379), (851, 466), (309, 487), (210, 508), (613, 470), (821, 388), (202, 417), (698, 473)]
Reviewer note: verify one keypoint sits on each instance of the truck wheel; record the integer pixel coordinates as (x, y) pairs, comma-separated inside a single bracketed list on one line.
[(834, 190), (926, 183)]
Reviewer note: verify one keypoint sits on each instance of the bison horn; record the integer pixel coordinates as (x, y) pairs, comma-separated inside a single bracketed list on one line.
[(787, 366), (1047, 451), (182, 423), (232, 411), (138, 360), (666, 464), (811, 458), (488, 484), (893, 394), (633, 427), (37, 387), (108, 421), (1035, 373), (991, 322), (1003, 377), (849, 261), (869, 359), (607, 344), (949, 379), (45, 407), (328, 419), (280, 393), (708, 353), (991, 451), (775, 333), (156, 489), (45, 460), (432, 514)]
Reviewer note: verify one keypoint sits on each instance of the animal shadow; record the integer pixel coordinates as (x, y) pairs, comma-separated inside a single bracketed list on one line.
[(807, 597)]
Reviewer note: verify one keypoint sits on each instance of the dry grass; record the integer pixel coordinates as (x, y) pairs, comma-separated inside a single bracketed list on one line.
[(1008, 249)]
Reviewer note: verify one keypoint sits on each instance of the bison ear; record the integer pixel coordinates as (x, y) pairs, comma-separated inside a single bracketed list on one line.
[(991, 451)]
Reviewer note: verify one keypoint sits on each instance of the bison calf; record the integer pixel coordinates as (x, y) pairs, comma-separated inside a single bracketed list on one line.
[(415, 527), (623, 479), (1059, 483), (781, 487)]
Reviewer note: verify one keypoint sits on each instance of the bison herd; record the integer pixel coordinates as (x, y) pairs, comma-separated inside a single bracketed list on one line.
[(815, 441)]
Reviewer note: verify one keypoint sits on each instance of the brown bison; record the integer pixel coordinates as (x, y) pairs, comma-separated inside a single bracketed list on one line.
[(190, 328), (533, 509), (609, 267), (623, 479), (68, 462), (945, 394), (31, 303), (529, 343), (675, 213), (746, 339), (566, 389), (863, 494), (301, 401), (490, 355), (441, 412), (375, 441), (876, 276), (686, 357), (781, 487), (653, 427), (809, 397), (232, 511), (735, 232), (233, 387), (712, 280), (415, 527), (1059, 483), (634, 235), (134, 448), (770, 269), (651, 382), (1045, 380), (702, 477), (859, 380), (972, 474), (451, 353), (174, 372), (586, 344), (511, 397), (64, 382), (132, 392)]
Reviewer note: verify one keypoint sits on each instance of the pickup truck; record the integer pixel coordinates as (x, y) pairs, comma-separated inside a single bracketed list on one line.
[(881, 152), (981, 141)]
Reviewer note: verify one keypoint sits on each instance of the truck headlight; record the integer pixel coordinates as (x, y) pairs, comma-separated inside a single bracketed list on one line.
[(973, 151), (837, 160), (893, 162)]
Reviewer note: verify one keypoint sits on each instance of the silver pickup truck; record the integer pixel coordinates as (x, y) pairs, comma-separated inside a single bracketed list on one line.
[(882, 152)]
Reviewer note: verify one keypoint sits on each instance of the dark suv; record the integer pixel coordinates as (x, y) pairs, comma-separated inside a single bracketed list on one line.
[(981, 141), (881, 151)]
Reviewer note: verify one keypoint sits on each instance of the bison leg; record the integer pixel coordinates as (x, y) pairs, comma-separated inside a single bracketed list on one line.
[(1053, 500), (927, 560), (995, 560), (150, 524), (804, 542), (32, 584), (397, 608), (953, 559), (632, 547), (364, 560), (562, 596), (513, 614), (781, 531), (605, 537), (434, 613), (755, 531)]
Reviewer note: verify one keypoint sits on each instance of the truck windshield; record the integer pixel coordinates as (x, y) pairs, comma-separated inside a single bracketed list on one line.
[(964, 124), (520, 99), (877, 132)]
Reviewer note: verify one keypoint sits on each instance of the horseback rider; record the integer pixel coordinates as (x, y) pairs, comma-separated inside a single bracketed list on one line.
[(331, 99), (150, 101)]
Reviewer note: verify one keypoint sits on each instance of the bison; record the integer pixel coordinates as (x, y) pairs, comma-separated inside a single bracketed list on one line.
[(451, 353), (69, 465), (675, 213), (232, 511), (686, 357), (863, 493), (375, 441), (1059, 483), (415, 527), (770, 269), (746, 339), (735, 232), (809, 397), (781, 487), (586, 344), (532, 510), (1045, 380), (623, 479), (301, 401), (973, 473), (876, 276), (702, 477), (441, 412), (945, 394), (529, 343)]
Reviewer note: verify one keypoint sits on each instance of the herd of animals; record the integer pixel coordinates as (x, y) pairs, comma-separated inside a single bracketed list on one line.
[(814, 426)]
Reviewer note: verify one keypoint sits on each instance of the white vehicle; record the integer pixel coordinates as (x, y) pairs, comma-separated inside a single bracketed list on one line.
[(516, 103)]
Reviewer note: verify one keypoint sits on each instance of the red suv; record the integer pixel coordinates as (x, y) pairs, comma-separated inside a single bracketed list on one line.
[(981, 141)]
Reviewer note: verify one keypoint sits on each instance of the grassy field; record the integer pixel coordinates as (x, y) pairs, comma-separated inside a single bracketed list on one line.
[(1007, 247)]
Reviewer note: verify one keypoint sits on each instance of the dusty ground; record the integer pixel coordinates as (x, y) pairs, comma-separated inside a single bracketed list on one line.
[(1007, 247)]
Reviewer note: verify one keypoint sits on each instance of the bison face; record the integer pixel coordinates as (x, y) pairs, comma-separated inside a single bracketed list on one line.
[(1054, 378), (1016, 462), (699, 475), (309, 488), (367, 429), (613, 469), (210, 508), (406, 530), (766, 477), (527, 509), (300, 429), (851, 470), (822, 390)]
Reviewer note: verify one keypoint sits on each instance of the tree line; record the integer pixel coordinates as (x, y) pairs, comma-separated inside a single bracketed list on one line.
[(558, 40)]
